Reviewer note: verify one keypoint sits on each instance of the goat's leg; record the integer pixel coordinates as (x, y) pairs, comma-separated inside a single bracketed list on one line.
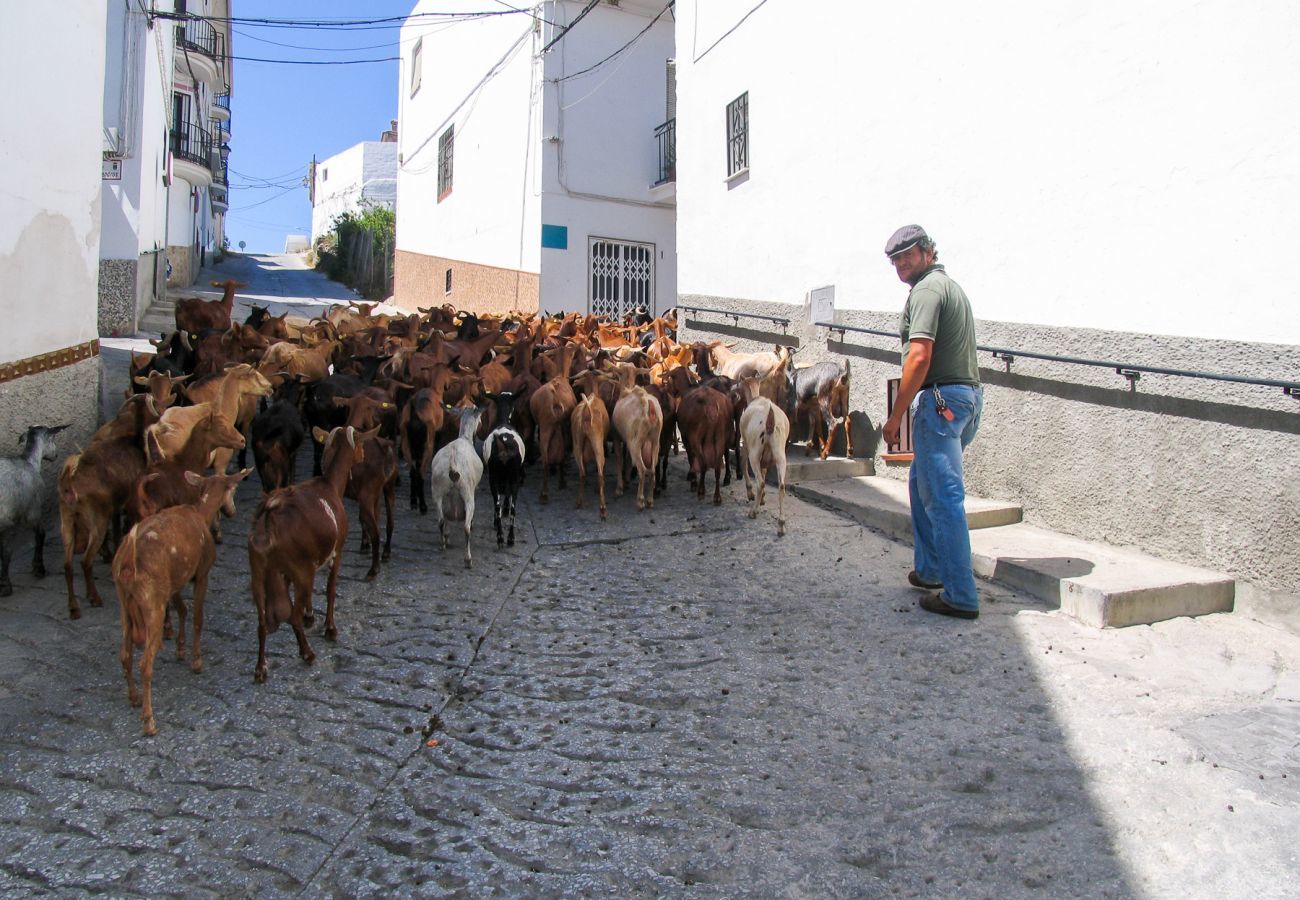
[(390, 499), (582, 478), (370, 529), (717, 487), (440, 521), (127, 653), (469, 524), (200, 593), (302, 600), (746, 465), (6, 588), (68, 531), (94, 541), (179, 604), (780, 499), (624, 458), (510, 499), (331, 591), (260, 580), (152, 644), (38, 552), (600, 478), (848, 438), (497, 498)]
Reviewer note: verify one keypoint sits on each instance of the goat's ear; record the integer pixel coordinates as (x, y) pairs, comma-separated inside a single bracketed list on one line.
[(319, 434), (193, 478)]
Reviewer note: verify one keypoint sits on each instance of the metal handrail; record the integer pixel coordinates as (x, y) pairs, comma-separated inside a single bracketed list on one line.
[(783, 322), (192, 142), (222, 100), (198, 34), (1130, 371)]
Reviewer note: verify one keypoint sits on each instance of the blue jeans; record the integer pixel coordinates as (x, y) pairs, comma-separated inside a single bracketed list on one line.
[(940, 538)]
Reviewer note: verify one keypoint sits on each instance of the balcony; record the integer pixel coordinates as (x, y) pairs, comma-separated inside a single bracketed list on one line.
[(221, 108), (666, 139), (219, 191), (192, 148), (200, 50)]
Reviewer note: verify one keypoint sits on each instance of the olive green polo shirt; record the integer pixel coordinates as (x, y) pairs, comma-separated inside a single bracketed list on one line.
[(937, 309)]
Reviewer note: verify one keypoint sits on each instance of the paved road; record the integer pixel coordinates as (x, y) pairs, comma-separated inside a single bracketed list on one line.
[(281, 280), (674, 702)]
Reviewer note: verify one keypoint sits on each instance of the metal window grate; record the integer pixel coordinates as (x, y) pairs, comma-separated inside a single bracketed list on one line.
[(738, 134), (904, 445), (666, 140), (445, 150), (622, 277)]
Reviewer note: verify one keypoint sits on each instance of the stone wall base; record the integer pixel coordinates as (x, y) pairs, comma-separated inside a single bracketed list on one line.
[(421, 280)]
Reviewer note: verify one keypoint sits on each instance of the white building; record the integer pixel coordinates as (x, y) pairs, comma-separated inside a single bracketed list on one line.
[(528, 159), (364, 174), (49, 229), (166, 114), (1108, 182)]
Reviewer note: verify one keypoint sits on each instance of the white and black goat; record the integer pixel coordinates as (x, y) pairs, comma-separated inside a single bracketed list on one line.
[(503, 454), (454, 477), (22, 498)]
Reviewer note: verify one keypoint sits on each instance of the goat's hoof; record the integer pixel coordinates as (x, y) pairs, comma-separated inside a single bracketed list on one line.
[(38, 571), (74, 613), (259, 675), (372, 575), (96, 601), (603, 514), (150, 727), (386, 555), (780, 530), (309, 657), (196, 666), (136, 699), (753, 514), (331, 634)]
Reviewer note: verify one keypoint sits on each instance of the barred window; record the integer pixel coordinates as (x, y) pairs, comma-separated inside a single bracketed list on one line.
[(738, 134), (444, 162)]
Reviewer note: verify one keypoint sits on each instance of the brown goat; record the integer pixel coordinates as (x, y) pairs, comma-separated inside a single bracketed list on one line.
[(590, 425), (295, 531), (193, 314), (704, 418), (159, 556), (551, 405)]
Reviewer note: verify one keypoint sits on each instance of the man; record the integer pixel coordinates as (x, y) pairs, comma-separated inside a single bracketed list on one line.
[(940, 371)]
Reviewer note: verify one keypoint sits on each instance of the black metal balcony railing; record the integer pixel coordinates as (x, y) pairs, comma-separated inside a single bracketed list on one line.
[(666, 138), (198, 34), (222, 100), (193, 143)]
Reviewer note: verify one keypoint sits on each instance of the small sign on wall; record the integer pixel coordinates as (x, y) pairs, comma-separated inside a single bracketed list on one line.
[(112, 170), (821, 304)]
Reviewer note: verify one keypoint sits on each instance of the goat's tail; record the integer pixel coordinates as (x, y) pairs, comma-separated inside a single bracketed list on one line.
[(453, 474), (125, 571), (771, 423)]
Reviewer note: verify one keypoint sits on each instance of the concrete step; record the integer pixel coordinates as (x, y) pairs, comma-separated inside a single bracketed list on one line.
[(1100, 585), (800, 469), (883, 504)]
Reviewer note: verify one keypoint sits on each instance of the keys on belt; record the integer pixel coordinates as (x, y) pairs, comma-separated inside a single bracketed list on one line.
[(939, 405)]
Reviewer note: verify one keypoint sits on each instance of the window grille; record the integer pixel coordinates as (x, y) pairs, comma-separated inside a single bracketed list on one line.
[(444, 162), (738, 134), (448, 287), (903, 449), (622, 277)]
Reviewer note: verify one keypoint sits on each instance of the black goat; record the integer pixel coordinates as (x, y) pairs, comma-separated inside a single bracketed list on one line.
[(278, 432), (322, 412), (821, 393), (503, 454)]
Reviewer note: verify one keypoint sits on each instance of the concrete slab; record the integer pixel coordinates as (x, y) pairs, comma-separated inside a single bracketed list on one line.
[(800, 468), (883, 503), (1100, 585)]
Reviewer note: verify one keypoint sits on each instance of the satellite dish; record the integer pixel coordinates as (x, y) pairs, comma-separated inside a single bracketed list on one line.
[(242, 245)]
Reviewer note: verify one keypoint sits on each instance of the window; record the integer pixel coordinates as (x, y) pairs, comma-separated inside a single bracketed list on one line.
[(444, 163), (622, 277), (448, 288), (738, 135), (324, 174), (417, 55)]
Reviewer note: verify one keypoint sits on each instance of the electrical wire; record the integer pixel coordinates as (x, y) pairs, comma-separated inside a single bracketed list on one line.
[(636, 38), (267, 200), (315, 62), (340, 24), (567, 28)]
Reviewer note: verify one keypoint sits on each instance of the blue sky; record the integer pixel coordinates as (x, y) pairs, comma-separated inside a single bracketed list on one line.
[(281, 114)]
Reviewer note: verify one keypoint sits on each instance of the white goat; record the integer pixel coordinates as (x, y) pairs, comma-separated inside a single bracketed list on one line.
[(454, 477), (764, 427), (22, 498)]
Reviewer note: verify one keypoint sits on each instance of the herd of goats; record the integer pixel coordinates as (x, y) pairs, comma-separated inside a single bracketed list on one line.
[(453, 394)]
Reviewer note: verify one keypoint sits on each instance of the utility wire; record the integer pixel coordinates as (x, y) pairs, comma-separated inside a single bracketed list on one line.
[(267, 200), (567, 28), (315, 62), (620, 49), (339, 24)]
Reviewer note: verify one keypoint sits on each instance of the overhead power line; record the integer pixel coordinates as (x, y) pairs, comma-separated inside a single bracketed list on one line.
[(344, 24), (315, 62), (567, 28), (636, 38)]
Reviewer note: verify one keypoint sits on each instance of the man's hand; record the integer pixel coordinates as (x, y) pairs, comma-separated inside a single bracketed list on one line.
[(890, 431)]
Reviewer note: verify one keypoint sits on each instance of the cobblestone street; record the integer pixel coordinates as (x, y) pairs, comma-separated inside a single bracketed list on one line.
[(668, 699)]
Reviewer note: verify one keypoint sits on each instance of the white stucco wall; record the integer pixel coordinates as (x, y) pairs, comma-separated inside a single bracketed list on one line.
[(137, 102), (597, 172), (363, 173), (49, 231), (1117, 166), (491, 216)]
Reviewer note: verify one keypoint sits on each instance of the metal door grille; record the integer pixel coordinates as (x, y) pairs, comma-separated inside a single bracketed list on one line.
[(904, 446), (622, 277)]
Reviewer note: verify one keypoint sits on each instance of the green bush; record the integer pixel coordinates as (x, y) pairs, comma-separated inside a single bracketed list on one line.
[(358, 249)]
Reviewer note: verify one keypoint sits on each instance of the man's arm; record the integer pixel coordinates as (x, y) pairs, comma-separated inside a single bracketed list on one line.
[(915, 369)]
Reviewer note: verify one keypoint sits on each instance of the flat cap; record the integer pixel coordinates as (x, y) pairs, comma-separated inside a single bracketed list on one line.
[(904, 238)]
